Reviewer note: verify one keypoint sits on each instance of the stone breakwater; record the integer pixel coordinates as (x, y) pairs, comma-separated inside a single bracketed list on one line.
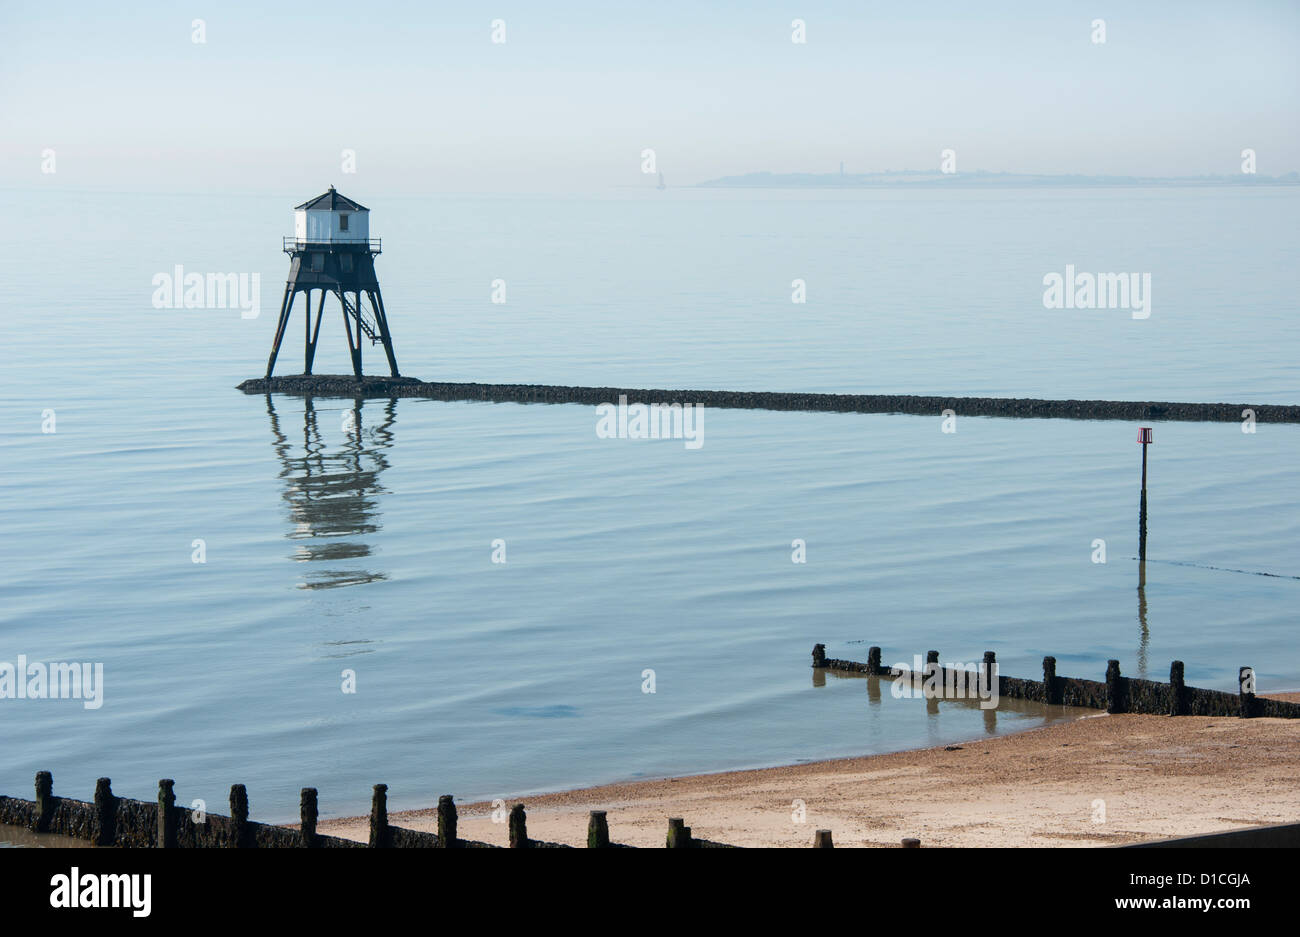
[(339, 385)]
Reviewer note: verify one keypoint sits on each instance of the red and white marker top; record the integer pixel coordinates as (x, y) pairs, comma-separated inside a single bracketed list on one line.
[(1144, 435)]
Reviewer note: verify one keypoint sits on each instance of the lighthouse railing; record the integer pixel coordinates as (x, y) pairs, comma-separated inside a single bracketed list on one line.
[(293, 244)]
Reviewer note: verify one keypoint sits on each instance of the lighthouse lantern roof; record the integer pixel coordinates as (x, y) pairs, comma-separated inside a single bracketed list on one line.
[(332, 200)]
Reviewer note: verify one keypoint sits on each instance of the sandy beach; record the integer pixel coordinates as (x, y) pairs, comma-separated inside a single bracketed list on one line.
[(1097, 781)]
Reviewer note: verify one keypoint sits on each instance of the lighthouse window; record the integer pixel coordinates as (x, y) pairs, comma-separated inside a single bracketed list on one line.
[(343, 222), (317, 262), (345, 260)]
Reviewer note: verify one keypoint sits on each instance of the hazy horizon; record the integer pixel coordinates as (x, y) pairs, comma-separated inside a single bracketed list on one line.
[(271, 97)]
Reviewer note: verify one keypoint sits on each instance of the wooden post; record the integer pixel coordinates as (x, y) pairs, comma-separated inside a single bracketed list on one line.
[(873, 660), (822, 840), (597, 830), (105, 813), (1142, 615), (1051, 692), (45, 801), (679, 834), (166, 814), (446, 822), (518, 828), (1177, 689), (307, 813), (1246, 687), (1114, 688), (990, 671), (1142, 512), (911, 843), (1145, 439), (379, 816), (819, 655), (238, 816)]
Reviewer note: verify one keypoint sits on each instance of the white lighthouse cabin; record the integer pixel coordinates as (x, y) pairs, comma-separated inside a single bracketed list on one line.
[(331, 219)]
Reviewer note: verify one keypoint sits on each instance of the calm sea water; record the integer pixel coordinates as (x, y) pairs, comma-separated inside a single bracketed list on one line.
[(365, 543)]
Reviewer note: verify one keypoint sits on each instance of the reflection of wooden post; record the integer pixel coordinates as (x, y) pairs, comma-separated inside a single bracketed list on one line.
[(1144, 438), (1145, 639)]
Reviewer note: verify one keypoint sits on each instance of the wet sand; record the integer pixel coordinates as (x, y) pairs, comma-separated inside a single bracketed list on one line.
[(17, 836), (1158, 777)]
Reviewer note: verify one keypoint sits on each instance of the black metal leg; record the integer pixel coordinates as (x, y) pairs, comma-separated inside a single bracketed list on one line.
[(315, 335), (347, 327), (377, 301), (286, 306), (306, 337), (358, 308)]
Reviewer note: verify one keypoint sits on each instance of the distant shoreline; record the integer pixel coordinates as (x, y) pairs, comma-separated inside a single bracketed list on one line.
[(913, 178)]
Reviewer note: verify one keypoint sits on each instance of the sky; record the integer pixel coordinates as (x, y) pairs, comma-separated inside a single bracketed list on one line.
[(429, 103)]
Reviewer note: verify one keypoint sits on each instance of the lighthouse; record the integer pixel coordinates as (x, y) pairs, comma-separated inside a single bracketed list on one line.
[(331, 251)]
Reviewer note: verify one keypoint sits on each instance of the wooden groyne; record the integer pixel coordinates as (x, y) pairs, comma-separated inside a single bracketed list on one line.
[(346, 386), (109, 820), (1116, 694)]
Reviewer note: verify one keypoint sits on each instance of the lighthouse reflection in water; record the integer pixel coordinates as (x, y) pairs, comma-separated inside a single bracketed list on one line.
[(331, 477)]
